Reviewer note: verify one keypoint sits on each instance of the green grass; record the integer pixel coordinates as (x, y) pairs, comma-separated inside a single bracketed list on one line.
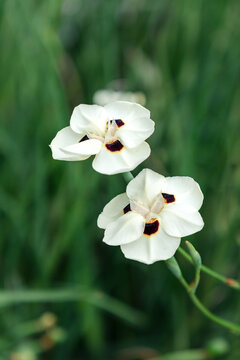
[(184, 55)]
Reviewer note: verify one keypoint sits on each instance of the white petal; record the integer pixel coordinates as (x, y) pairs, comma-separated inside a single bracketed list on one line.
[(86, 147), (185, 189), (65, 138), (135, 132), (137, 123), (113, 210), (145, 186), (125, 110), (150, 249), (103, 97), (107, 162), (181, 220), (89, 118), (163, 246), (125, 229)]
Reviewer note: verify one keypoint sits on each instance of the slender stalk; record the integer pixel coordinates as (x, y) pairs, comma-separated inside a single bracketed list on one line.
[(198, 354), (227, 324), (227, 281), (128, 176), (93, 297)]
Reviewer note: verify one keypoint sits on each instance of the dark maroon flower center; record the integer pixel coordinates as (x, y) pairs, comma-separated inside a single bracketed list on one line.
[(84, 138), (114, 146), (119, 122), (151, 227), (126, 209), (168, 198)]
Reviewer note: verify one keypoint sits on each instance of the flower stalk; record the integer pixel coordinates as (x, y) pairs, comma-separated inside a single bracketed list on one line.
[(234, 284), (128, 176), (227, 324), (92, 297)]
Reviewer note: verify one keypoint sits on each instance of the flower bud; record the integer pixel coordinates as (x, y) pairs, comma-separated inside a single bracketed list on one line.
[(173, 266), (194, 255)]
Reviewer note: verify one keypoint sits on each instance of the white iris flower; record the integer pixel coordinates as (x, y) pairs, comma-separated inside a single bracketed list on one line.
[(103, 97), (115, 133), (149, 220)]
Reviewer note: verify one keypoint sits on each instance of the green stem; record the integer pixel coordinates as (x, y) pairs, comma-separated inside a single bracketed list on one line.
[(198, 354), (95, 298), (227, 324), (227, 281), (128, 176)]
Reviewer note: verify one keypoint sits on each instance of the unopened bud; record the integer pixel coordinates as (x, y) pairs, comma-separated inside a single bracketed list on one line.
[(173, 266), (196, 258)]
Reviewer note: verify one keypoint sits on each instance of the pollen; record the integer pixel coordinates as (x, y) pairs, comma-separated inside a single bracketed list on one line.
[(151, 227), (114, 146), (168, 198)]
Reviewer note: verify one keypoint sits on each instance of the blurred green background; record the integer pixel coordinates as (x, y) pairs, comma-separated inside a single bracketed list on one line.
[(185, 57)]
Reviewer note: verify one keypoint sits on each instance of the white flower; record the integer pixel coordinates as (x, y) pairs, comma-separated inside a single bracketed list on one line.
[(114, 133), (105, 96), (149, 220)]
